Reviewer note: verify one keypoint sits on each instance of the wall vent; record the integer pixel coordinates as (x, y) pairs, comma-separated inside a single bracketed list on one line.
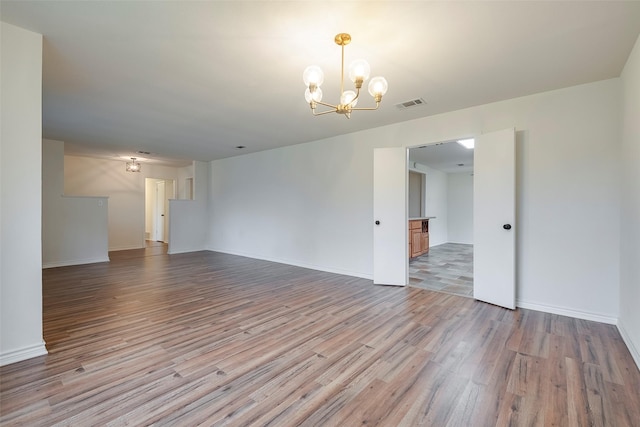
[(410, 104)]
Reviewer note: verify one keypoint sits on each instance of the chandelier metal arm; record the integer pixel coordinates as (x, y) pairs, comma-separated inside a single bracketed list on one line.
[(366, 108), (322, 113), (335, 107), (353, 101), (342, 71)]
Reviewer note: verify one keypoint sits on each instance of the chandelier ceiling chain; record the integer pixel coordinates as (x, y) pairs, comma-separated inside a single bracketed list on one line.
[(359, 71)]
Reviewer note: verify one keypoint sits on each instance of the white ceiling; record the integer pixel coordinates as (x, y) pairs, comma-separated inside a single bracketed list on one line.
[(446, 156), (194, 79)]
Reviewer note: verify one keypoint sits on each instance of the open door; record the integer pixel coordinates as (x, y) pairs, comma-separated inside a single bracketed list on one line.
[(494, 228), (390, 233), (160, 211)]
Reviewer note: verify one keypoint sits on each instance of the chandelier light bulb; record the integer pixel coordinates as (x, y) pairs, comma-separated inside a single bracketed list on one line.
[(347, 97), (359, 70), (313, 75), (378, 87), (316, 96)]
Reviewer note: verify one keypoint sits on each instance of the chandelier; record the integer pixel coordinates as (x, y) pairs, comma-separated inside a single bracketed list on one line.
[(359, 71), (133, 166)]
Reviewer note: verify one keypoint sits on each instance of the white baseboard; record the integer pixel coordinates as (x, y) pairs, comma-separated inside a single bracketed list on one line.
[(635, 352), (74, 262), (564, 311), (23, 353), (184, 251), (298, 264), (126, 248)]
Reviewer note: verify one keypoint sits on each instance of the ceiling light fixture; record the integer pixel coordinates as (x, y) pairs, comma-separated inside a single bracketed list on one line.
[(359, 71), (133, 166), (467, 143)]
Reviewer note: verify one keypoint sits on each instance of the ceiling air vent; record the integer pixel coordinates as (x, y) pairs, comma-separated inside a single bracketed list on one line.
[(411, 104)]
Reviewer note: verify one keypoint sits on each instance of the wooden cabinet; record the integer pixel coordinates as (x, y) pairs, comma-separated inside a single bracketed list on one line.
[(425, 243), (416, 243), (418, 237)]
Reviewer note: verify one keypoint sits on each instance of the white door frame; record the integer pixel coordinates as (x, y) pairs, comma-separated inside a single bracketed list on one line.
[(407, 148), (151, 207), (425, 144), (159, 211)]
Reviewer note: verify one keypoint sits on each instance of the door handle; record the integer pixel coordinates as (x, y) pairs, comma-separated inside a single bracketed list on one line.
[(377, 222), (507, 226), (161, 214)]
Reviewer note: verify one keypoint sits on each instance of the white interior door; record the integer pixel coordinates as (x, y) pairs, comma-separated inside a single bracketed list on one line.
[(390, 233), (160, 201), (494, 228)]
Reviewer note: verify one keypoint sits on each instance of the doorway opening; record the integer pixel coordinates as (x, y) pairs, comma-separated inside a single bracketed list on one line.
[(158, 192), (440, 188), (494, 216)]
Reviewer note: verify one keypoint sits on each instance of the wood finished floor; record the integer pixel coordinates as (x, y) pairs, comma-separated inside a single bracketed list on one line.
[(214, 339), (445, 268)]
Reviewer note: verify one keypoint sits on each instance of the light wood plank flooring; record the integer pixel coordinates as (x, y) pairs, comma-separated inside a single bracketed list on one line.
[(214, 339)]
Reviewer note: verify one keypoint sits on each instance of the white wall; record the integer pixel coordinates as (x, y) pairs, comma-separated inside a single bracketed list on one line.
[(85, 176), (74, 229), (436, 205), (188, 224), (311, 204), (415, 195), (629, 322), (308, 205), (460, 207), (449, 197), (20, 186), (183, 174)]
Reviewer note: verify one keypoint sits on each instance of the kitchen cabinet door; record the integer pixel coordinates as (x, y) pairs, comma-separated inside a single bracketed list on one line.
[(425, 243), (416, 243)]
